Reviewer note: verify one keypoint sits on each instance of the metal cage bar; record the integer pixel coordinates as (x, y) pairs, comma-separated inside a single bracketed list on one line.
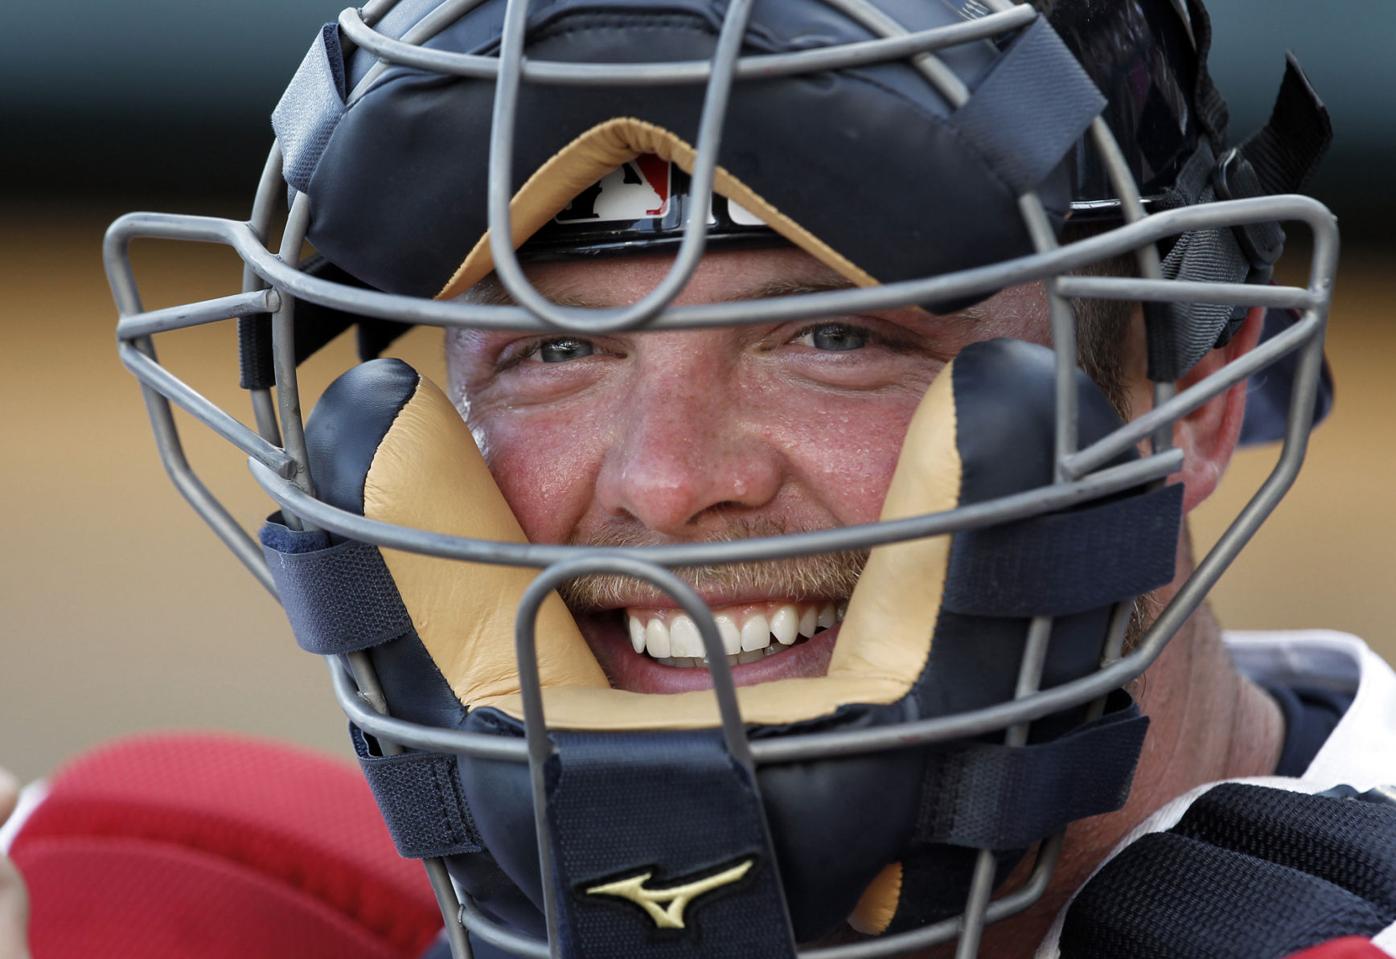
[(499, 192), (764, 66), (966, 283), (986, 513), (540, 748)]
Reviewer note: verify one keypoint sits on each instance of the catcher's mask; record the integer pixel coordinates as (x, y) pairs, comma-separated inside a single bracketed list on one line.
[(929, 153)]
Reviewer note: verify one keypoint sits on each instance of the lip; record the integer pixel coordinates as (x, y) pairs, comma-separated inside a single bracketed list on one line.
[(636, 672), (713, 600)]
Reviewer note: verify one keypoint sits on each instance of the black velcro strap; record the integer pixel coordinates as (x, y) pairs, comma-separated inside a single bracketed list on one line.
[(255, 365), (339, 597), (1066, 563), (420, 798), (1031, 109), (310, 109), (1211, 109), (315, 326), (1036, 789), (1249, 872), (1278, 159), (1181, 334), (1287, 150)]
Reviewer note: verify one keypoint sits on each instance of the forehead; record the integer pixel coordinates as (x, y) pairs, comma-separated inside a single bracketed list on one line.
[(720, 275), (723, 275)]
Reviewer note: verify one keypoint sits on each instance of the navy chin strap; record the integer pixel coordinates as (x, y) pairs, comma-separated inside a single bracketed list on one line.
[(662, 844), (685, 824)]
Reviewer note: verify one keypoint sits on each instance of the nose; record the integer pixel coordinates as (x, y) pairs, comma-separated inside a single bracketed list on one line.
[(689, 447)]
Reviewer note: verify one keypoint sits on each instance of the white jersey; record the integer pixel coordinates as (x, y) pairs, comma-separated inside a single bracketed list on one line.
[(1360, 752)]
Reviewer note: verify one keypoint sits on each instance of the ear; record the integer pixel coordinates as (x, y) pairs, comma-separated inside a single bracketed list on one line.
[(1208, 435)]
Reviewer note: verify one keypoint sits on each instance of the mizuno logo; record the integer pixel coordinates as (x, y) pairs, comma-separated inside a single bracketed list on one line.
[(666, 906)]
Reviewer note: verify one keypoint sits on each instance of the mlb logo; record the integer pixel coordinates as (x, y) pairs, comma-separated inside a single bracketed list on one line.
[(637, 190), (642, 189)]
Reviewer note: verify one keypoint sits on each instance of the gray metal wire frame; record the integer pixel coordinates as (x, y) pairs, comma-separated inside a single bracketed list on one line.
[(272, 284)]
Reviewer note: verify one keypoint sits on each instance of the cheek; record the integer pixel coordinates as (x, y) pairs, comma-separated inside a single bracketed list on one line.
[(842, 450), (545, 463)]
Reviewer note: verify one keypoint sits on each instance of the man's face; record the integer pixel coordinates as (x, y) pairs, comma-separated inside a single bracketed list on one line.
[(661, 437)]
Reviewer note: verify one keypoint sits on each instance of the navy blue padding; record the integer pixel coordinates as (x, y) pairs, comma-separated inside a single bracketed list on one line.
[(420, 799), (1248, 873), (1037, 789), (343, 435), (398, 198), (1005, 420), (339, 598), (1171, 897), (1350, 843), (501, 796), (348, 425), (1067, 562), (934, 881), (830, 799), (1031, 108), (1005, 412), (1310, 716), (678, 807), (827, 798), (1004, 393)]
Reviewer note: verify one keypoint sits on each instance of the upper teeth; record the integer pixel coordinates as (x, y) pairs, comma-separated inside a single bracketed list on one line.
[(671, 635)]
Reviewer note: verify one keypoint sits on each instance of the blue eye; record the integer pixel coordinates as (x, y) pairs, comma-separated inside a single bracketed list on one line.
[(561, 350), (834, 338)]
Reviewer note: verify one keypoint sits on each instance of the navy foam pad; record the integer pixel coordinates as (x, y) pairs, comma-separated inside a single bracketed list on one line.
[(398, 196)]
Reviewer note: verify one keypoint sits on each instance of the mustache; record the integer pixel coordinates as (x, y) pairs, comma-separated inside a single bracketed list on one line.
[(816, 576)]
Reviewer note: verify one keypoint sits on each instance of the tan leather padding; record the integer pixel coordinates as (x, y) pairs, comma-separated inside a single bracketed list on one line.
[(593, 155), (878, 904), (428, 473)]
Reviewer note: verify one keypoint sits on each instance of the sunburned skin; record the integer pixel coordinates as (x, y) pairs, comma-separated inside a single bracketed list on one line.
[(665, 437)]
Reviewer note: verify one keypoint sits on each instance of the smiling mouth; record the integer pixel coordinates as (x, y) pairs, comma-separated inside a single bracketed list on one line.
[(659, 650), (749, 633)]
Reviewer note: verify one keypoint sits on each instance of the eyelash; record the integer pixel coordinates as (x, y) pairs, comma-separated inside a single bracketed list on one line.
[(875, 337), (531, 349)]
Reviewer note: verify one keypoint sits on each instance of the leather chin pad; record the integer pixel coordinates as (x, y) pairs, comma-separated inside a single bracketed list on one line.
[(427, 472)]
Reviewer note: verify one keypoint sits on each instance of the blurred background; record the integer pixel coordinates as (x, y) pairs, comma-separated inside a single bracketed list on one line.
[(121, 611)]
